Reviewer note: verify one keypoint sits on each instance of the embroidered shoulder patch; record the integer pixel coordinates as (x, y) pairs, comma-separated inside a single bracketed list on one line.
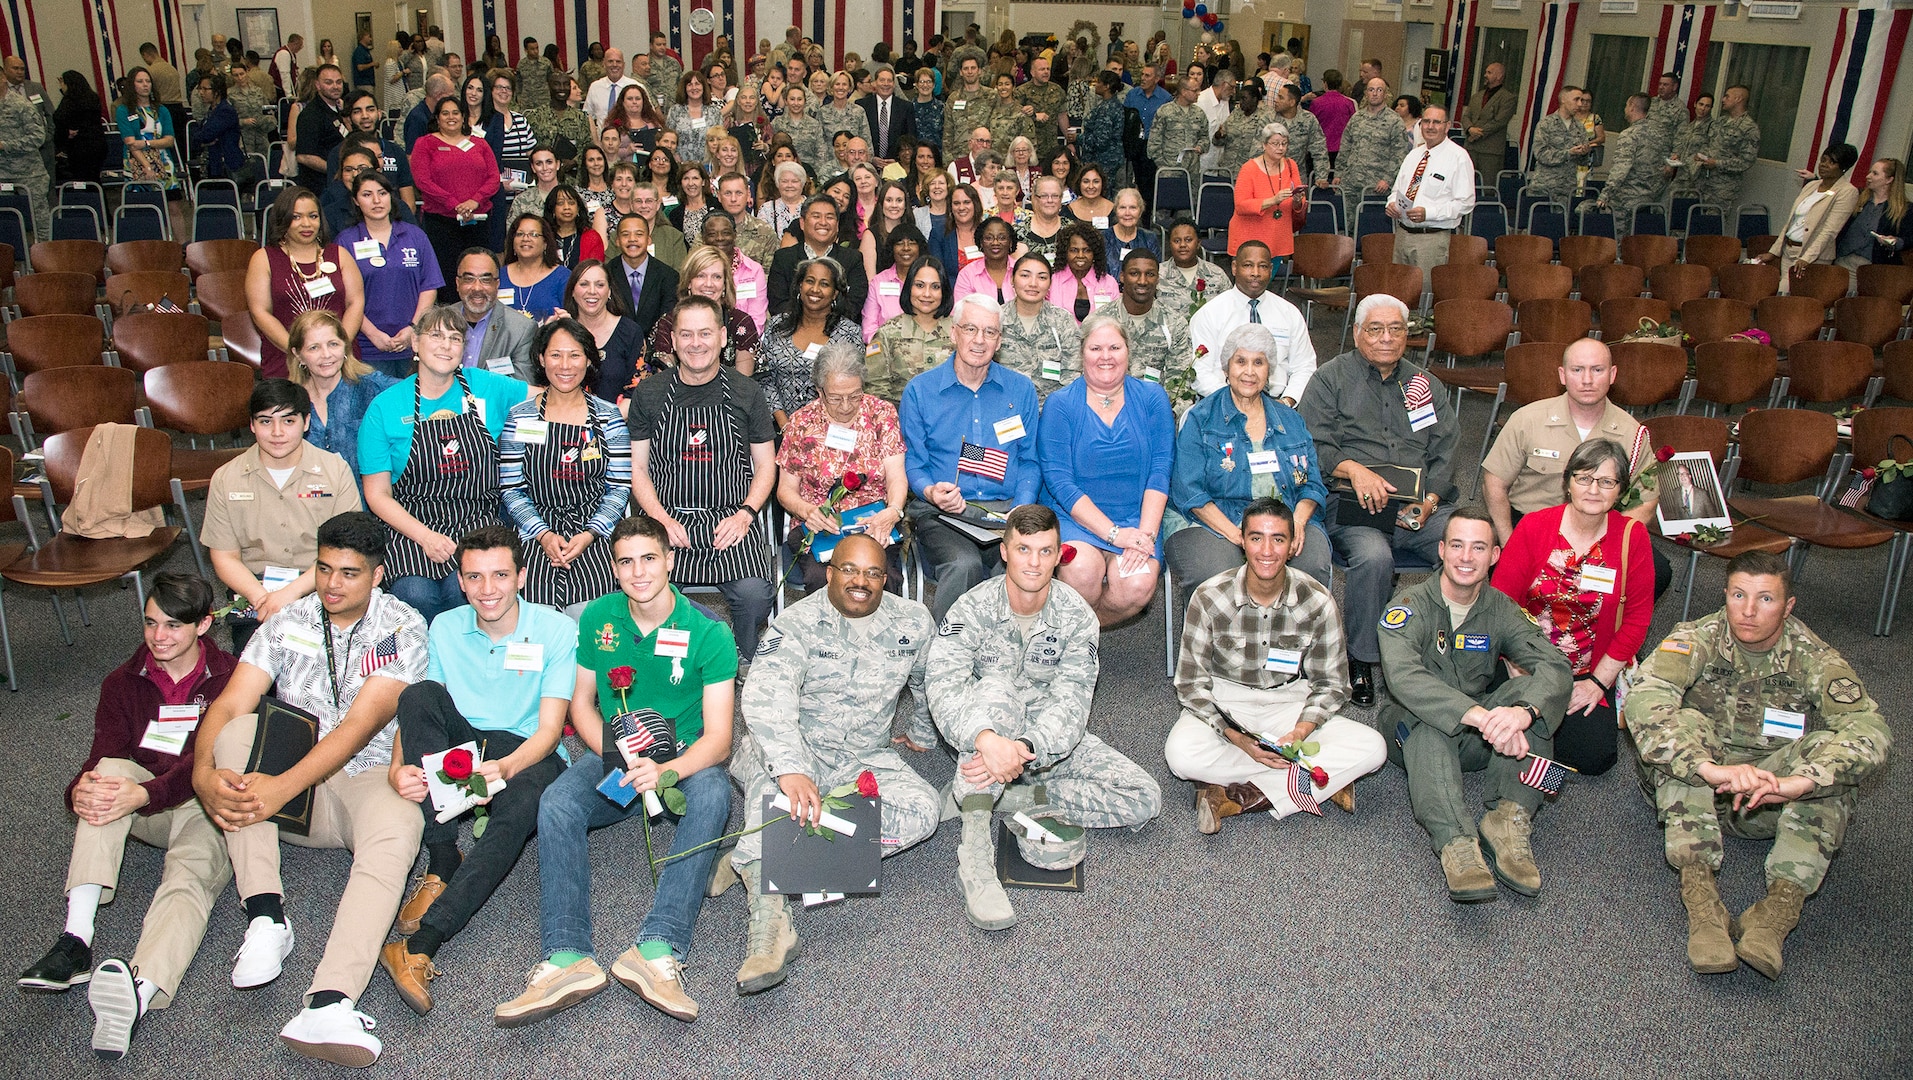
[(950, 629), (1845, 691), (1682, 647), (1396, 617), (769, 645)]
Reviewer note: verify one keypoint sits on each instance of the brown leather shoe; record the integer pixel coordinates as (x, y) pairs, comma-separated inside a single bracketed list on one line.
[(429, 888), (411, 973), (1249, 797), (1345, 799), (1212, 805)]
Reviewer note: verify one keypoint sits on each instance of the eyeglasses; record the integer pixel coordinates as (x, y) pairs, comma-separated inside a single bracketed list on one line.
[(987, 333), (1588, 482), (874, 573), (478, 279), (1390, 330), (451, 336)]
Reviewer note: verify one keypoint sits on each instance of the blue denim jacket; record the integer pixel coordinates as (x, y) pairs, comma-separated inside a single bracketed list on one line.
[(1215, 432), (345, 411)]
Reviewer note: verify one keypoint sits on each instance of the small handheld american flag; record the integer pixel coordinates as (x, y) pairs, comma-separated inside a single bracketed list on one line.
[(380, 655), (165, 306), (983, 461), (1544, 774), (1302, 790), (1857, 490)]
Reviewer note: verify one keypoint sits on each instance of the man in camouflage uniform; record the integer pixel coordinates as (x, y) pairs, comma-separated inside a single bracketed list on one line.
[(1180, 132), (1043, 102), (560, 119), (1733, 144), (666, 70), (1443, 641), (1307, 142), (24, 133), (755, 238), (36, 95), (953, 59), (1634, 163), (258, 122), (1373, 145), (534, 78), (1665, 115), (1011, 675), (818, 706), (1747, 719), (967, 107), (1560, 147), (1158, 333)]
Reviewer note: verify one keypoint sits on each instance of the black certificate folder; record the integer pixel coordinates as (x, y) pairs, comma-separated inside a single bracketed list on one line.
[(797, 863)]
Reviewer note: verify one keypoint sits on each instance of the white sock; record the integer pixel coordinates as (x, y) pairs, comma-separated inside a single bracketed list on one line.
[(81, 902), (146, 991)]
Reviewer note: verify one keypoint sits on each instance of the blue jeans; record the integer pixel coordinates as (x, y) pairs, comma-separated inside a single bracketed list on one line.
[(427, 597), (572, 808)]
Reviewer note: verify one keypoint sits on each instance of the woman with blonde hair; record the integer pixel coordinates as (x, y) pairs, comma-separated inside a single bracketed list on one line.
[(341, 385), (707, 273)]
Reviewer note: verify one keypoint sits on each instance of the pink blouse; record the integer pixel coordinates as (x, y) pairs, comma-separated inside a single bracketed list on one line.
[(1062, 289), (975, 277)]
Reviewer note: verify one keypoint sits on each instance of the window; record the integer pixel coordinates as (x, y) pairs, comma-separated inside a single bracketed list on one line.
[(1615, 65), (1776, 73), (1507, 48)]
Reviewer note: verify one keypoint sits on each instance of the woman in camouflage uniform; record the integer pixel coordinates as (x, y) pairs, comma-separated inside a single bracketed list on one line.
[(1240, 136), (916, 340), (1040, 339)]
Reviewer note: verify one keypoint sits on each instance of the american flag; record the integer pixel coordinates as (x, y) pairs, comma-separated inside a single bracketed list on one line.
[(165, 306), (1544, 774), (635, 744), (1418, 393), (380, 655), (983, 461), (1856, 490), (1302, 790)]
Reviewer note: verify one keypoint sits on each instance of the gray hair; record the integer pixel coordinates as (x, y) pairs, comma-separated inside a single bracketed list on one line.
[(1255, 338), (837, 358), (792, 166), (1378, 300), (1274, 128), (1589, 457), (980, 301), (988, 157), (1097, 322), (1223, 75), (1281, 62)]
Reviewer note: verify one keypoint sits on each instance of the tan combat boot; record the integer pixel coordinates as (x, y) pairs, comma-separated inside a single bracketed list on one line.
[(984, 900), (1505, 832), (723, 876), (1709, 950), (1469, 881), (773, 940), (1765, 926)]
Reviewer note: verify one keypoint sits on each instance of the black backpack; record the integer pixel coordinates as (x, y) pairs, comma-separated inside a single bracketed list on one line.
[(1135, 143)]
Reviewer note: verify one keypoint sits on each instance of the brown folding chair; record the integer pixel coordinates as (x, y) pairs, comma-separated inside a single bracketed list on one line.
[(150, 339), (240, 339), (1467, 250), (1873, 442), (1648, 252), (1823, 372), (1730, 373), (69, 561), (1822, 281), (1714, 318), (200, 398), (39, 342), (1760, 245), (1539, 281), (1557, 320), (1870, 320), (1319, 258), (70, 257), (144, 287), (1611, 281), (165, 256), (1749, 283), (1464, 281), (1378, 247), (1469, 328), (1529, 372), (1783, 447), (1520, 249), (55, 292), (67, 398), (1687, 434), (9, 552), (1622, 315), (1790, 319), (1876, 279), (1677, 283), (1578, 253), (223, 292), (214, 256), (1399, 280), (1648, 373), (1896, 370), (7, 267), (1713, 252)]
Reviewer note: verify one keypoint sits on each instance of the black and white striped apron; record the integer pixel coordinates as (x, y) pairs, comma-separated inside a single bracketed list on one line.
[(450, 484), (701, 468), (565, 478)]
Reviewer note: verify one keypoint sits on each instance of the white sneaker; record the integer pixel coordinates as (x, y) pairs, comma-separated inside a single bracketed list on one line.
[(266, 947), (337, 1033), (116, 1008)]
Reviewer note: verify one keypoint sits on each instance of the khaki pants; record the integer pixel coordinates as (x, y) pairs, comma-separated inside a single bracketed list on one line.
[(196, 871), (361, 814), (1424, 249)]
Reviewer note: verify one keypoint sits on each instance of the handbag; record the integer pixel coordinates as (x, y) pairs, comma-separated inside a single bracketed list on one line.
[(1893, 499)]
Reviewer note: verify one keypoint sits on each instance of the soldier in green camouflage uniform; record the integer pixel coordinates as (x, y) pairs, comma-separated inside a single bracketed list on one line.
[(953, 64), (1692, 139), (1241, 134), (817, 707), (1666, 113), (1049, 351), (1011, 692), (965, 108), (1180, 133), (1373, 146), (24, 132), (664, 76), (561, 119), (1158, 333), (534, 79), (1733, 145), (1746, 719), (1556, 138), (1045, 102), (903, 350), (1634, 164), (756, 239), (807, 138), (1008, 123), (1306, 138), (250, 104)]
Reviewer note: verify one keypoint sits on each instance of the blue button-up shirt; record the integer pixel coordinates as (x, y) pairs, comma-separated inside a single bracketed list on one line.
[(1216, 431), (344, 412), (475, 339), (1147, 104), (940, 414)]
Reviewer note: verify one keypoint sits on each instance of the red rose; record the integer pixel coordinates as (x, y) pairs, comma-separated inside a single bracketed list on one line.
[(867, 784), (1201, 284), (1869, 472), (620, 677), (1068, 554), (1684, 538), (1665, 453), (1319, 776), (853, 480), (458, 763)]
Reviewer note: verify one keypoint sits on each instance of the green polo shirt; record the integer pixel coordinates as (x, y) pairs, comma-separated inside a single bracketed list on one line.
[(673, 686)]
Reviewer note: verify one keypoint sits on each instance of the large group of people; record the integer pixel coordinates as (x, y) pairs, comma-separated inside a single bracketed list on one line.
[(715, 300)]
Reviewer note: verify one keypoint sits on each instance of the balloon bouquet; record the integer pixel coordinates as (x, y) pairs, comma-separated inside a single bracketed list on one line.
[(1200, 12)]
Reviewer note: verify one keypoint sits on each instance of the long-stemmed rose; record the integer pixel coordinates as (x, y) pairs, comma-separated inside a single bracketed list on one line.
[(835, 799), (850, 481), (1646, 478)]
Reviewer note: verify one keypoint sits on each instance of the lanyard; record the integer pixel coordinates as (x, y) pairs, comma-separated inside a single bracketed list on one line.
[(331, 663)]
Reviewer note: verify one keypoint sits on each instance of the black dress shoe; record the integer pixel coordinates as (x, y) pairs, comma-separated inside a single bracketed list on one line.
[(66, 965), (1361, 678)]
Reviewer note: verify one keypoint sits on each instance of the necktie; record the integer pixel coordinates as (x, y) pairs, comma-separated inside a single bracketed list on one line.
[(1254, 315), (883, 127), (637, 283), (1414, 182)]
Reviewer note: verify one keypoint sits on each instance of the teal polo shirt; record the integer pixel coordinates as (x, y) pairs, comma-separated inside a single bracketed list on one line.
[(541, 652), (673, 686)]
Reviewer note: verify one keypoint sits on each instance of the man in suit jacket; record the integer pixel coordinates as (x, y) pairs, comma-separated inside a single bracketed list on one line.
[(496, 336), (819, 221), (1487, 122), (667, 243), (657, 283), (887, 142)]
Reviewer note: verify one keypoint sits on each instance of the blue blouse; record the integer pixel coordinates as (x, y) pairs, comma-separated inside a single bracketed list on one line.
[(540, 300), (1112, 465), (1216, 431), (344, 411), (1114, 249)]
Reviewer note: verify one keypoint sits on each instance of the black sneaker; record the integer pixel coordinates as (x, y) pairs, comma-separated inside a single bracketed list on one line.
[(114, 998), (1361, 678), (68, 964)]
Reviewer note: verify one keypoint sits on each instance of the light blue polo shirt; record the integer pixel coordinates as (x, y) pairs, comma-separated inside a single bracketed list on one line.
[(492, 696)]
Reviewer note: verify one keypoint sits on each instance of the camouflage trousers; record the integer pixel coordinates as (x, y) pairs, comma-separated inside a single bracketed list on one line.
[(1722, 191), (907, 803), (28, 173), (1093, 786), (1806, 833)]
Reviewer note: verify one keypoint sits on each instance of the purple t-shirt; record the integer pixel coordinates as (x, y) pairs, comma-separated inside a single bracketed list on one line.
[(1332, 109), (391, 290)]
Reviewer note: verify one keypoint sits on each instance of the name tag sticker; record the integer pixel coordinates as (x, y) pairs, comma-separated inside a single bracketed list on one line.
[(1422, 417), (673, 642), (1781, 724), (811, 350), (1598, 579), (365, 249), (747, 290), (508, 297), (319, 288), (1473, 642), (1264, 461), (278, 577), (1009, 429), (524, 656), (840, 437), (1542, 451), (498, 365), (1152, 374), (169, 733), (959, 106), (303, 641), (1101, 221), (1284, 661), (889, 288), (973, 252), (1053, 370), (534, 432)]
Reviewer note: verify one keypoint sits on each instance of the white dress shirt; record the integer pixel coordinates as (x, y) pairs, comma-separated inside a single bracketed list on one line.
[(1291, 367), (1217, 110), (1447, 190), (601, 95)]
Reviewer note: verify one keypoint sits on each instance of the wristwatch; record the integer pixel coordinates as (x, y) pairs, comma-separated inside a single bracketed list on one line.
[(1113, 530), (1533, 713)]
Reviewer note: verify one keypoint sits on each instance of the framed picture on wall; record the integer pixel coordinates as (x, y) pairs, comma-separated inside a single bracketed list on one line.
[(259, 30), (361, 25)]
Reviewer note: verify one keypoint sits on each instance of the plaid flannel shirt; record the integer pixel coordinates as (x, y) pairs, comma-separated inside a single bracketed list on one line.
[(1226, 635)]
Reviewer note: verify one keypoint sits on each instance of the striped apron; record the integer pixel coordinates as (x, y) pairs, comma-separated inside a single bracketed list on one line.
[(701, 467), (450, 484), (565, 478)]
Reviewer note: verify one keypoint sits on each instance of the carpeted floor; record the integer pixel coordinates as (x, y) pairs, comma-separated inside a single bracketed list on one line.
[(1322, 947)]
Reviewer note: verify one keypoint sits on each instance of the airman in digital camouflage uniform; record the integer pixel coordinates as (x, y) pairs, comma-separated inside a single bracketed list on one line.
[(1180, 133), (818, 705), (1011, 675), (1746, 719), (1373, 146), (24, 131), (1158, 334), (1733, 144)]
